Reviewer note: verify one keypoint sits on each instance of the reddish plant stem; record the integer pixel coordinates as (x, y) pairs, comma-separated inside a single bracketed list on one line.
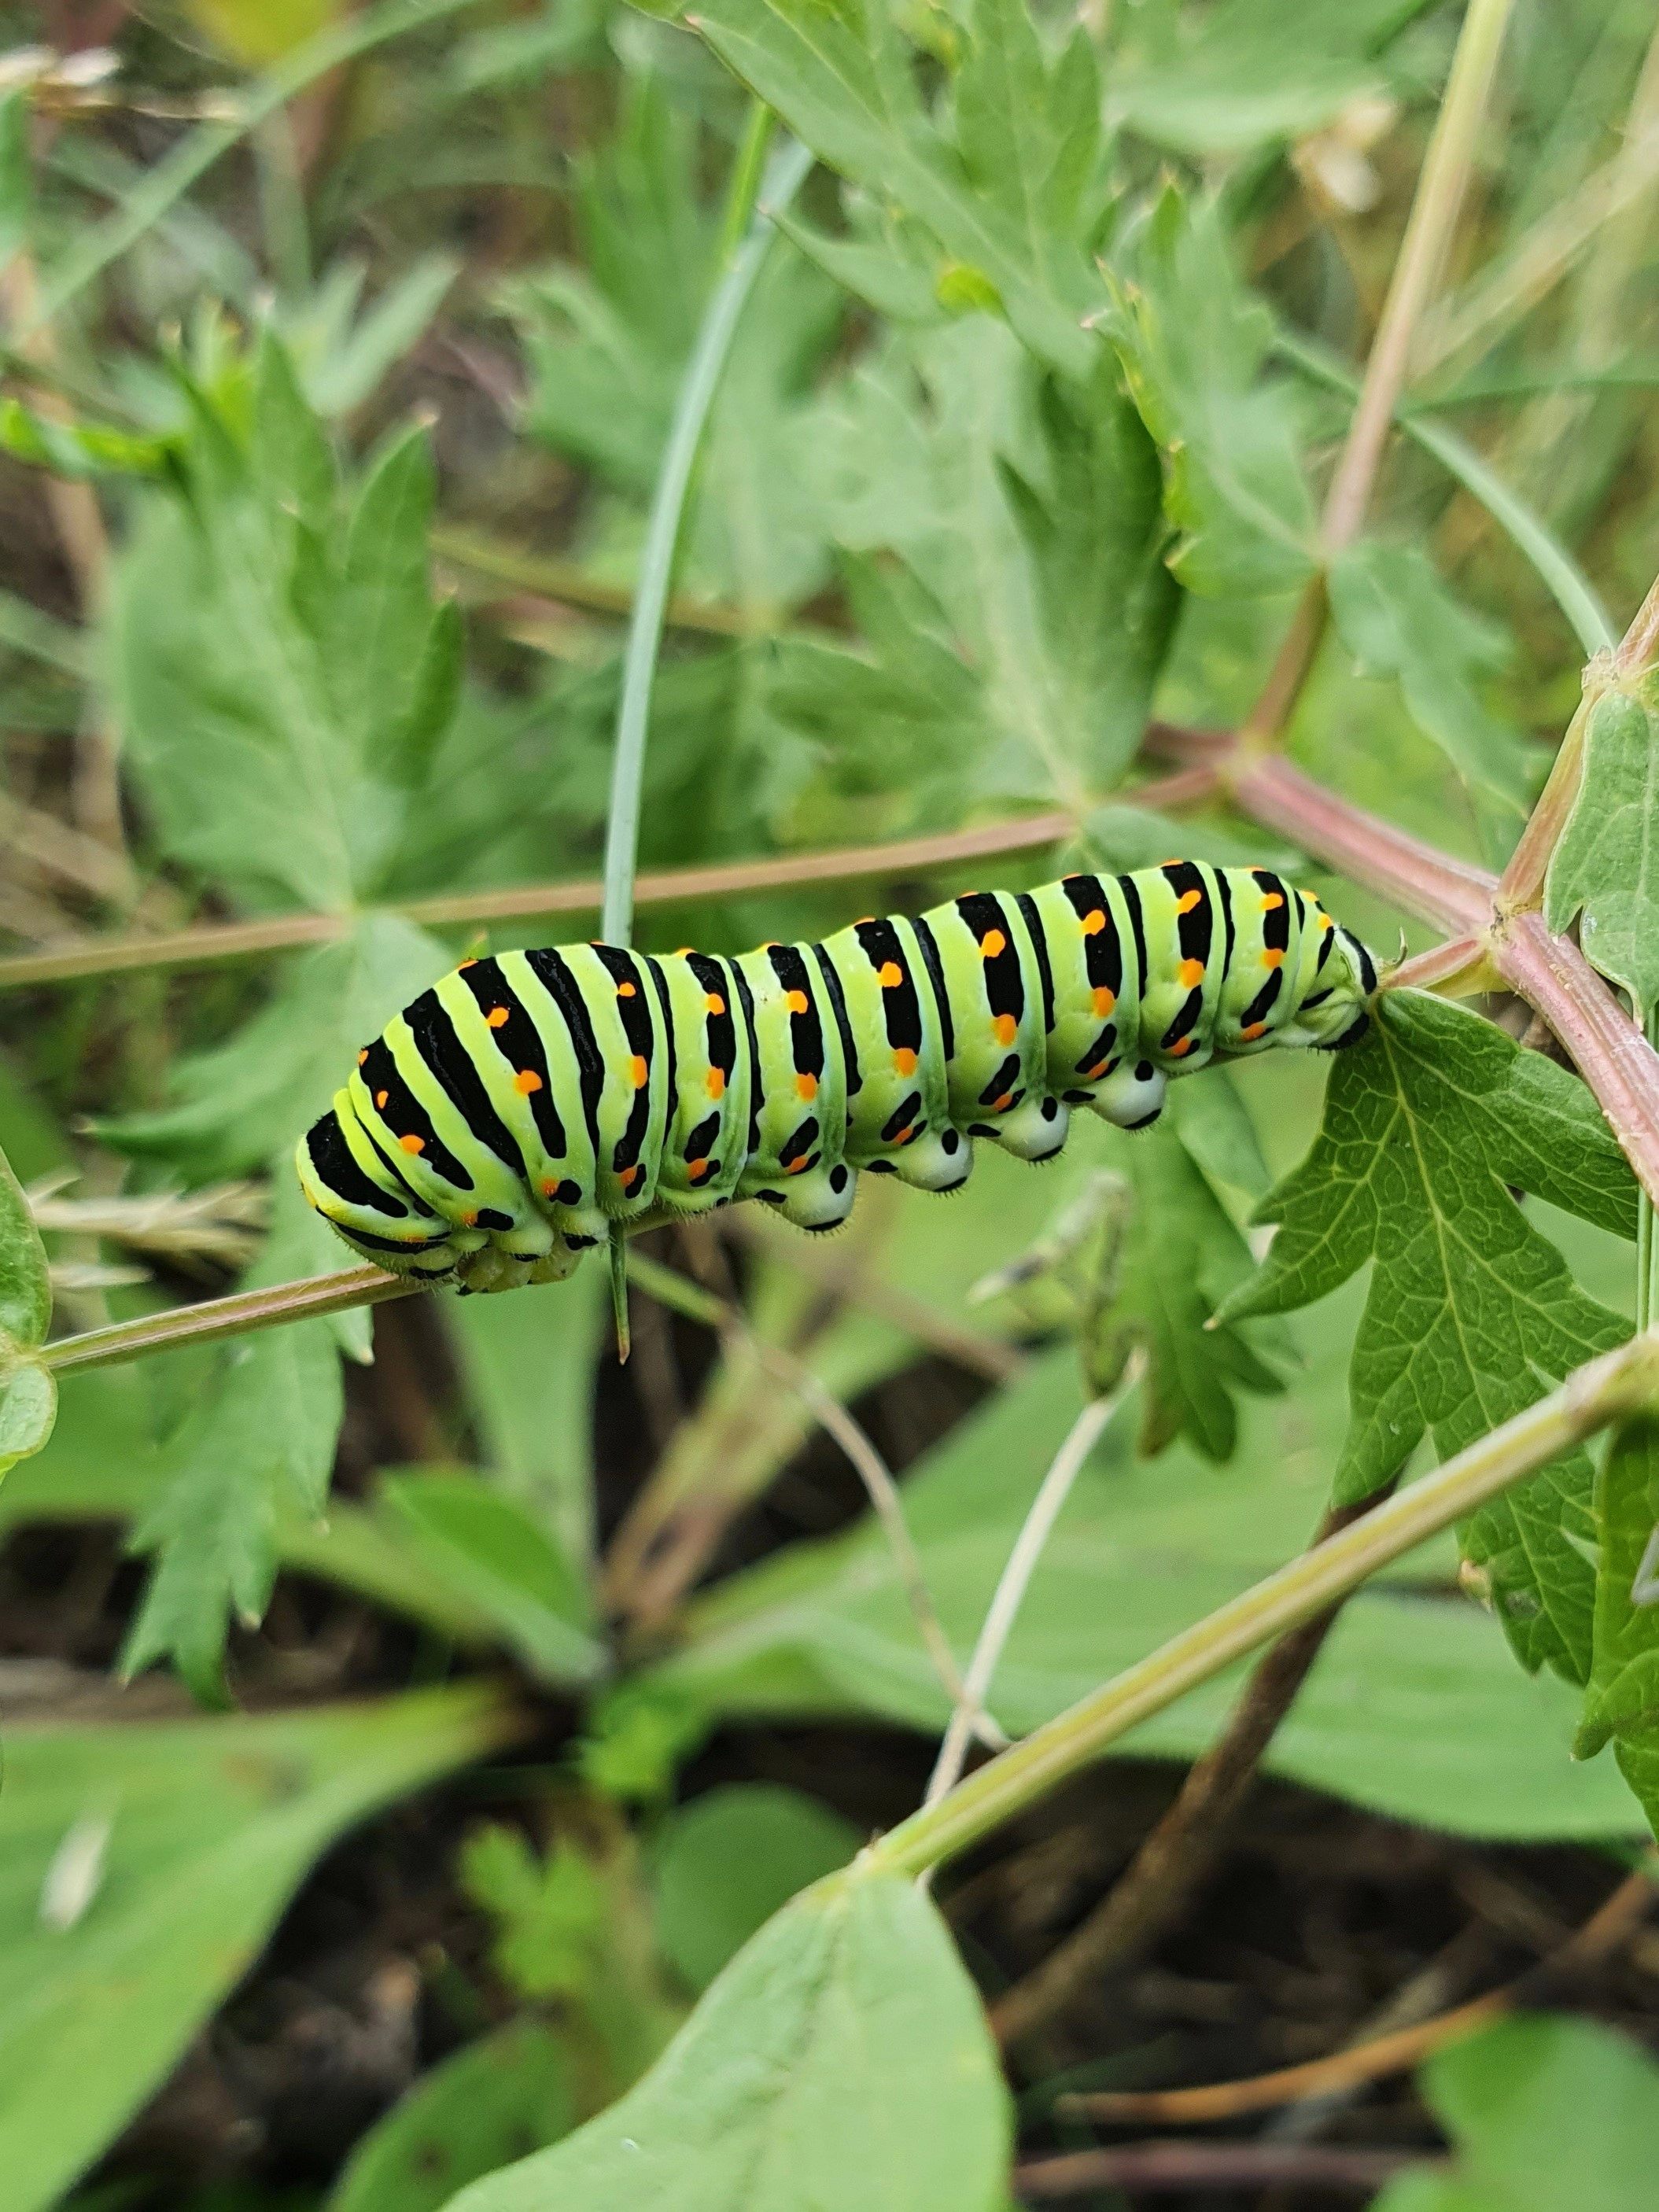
[(1178, 2168), (1428, 970), (1452, 894), (1617, 1061)]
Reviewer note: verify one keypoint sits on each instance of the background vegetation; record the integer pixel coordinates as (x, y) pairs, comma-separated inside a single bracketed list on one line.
[(394, 1752)]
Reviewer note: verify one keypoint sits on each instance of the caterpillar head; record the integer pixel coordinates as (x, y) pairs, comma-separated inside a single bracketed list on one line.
[(1335, 1016)]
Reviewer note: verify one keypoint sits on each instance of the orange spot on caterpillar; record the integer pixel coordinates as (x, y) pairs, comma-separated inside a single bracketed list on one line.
[(381, 1098), (1325, 922), (467, 964), (627, 1178), (1104, 1001), (1272, 957), (796, 1001), (1003, 1028), (806, 1087), (549, 1190), (680, 951), (796, 1167), (715, 1083), (469, 1221), (1001, 1105), (497, 1017), (905, 1060), (413, 1143), (696, 1170), (525, 1081), (993, 943), (1181, 1047), (1093, 1074), (640, 1072), (363, 1055), (1191, 973), (1254, 1030), (1176, 860), (714, 1004), (1273, 900), (904, 1136), (625, 991), (890, 975), (1093, 922), (1188, 901)]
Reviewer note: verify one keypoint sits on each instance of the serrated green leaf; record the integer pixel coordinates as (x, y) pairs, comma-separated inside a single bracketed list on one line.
[(1622, 1702), (1472, 1315), (262, 1444), (841, 2062), (1180, 1257), (1544, 2113), (165, 1853), (1025, 132), (1396, 616), (1605, 867), (1192, 346), (1036, 611), (510, 2091), (282, 671), (24, 1286)]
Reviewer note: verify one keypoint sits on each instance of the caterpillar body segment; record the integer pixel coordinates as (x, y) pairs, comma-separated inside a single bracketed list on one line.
[(503, 1122)]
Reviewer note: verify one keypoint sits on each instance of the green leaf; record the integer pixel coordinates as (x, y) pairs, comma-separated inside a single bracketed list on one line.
[(1472, 1315), (263, 1441), (282, 670), (1238, 75), (28, 1394), (1605, 867), (1395, 615), (550, 1913), (142, 1868), (508, 2094), (242, 1103), (1623, 1698), (502, 1567), (1008, 186), (1194, 344), (725, 1863), (1415, 1708), (1180, 1257), (1544, 2112), (76, 449), (1018, 655), (840, 2063), (529, 1362), (25, 1286)]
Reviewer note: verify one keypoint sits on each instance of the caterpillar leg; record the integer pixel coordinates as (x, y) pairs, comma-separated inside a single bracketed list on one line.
[(1132, 1096), (1035, 1130), (937, 1160), (820, 1198)]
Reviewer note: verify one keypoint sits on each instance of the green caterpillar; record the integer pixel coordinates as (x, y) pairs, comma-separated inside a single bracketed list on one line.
[(527, 1106)]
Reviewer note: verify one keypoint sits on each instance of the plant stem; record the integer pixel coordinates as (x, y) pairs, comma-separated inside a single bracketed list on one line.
[(1604, 1390), (570, 583), (1551, 562), (214, 1318), (1452, 894), (1017, 1571), (909, 856), (788, 172), (99, 244), (1435, 210)]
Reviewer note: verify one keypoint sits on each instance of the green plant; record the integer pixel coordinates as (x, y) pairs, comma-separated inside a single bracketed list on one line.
[(1002, 506)]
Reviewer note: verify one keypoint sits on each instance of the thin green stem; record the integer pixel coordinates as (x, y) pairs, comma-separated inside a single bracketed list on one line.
[(785, 175), (216, 1318), (1647, 1247), (1434, 208), (1556, 570), (193, 157), (1605, 1390)]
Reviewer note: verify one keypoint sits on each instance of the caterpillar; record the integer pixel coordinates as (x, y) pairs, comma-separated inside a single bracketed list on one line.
[(532, 1104)]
